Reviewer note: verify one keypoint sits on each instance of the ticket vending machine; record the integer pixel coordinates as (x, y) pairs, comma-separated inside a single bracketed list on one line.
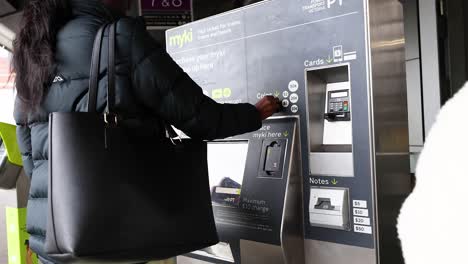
[(338, 67)]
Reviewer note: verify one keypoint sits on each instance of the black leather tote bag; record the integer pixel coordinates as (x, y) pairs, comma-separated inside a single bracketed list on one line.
[(116, 195)]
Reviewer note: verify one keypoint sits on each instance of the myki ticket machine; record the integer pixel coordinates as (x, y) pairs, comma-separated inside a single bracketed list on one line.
[(337, 66)]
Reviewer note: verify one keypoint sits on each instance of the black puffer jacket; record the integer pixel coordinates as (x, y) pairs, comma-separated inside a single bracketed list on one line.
[(148, 82)]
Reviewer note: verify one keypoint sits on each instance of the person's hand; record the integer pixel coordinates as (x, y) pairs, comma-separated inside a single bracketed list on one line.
[(267, 106)]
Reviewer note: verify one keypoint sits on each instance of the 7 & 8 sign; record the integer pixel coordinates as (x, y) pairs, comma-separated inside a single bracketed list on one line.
[(166, 13)]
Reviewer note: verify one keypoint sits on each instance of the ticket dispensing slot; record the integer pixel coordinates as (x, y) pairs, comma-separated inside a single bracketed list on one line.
[(329, 208), (330, 122)]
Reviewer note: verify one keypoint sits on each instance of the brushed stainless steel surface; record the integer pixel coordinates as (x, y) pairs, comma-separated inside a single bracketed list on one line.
[(413, 81), (254, 253), (330, 253), (390, 123), (259, 253), (429, 62), (316, 98), (415, 115), (324, 164), (292, 224), (291, 250), (415, 110), (411, 19)]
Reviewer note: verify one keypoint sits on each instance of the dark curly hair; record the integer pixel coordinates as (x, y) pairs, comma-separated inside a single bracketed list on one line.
[(34, 47)]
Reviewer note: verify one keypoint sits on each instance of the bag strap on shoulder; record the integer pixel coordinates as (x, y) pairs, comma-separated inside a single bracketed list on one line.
[(110, 115), (94, 72), (111, 70)]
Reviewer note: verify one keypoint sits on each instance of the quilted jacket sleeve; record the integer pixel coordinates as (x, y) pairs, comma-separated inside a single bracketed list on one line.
[(162, 86)]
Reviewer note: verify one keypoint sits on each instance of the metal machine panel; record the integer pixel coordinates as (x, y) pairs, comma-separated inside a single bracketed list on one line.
[(331, 253), (256, 195), (430, 66), (325, 164), (390, 123)]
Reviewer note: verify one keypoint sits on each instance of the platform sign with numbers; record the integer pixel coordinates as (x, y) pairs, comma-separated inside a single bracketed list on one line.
[(164, 14)]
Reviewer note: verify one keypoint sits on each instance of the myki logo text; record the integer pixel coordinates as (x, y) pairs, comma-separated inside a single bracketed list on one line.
[(181, 39), (332, 2)]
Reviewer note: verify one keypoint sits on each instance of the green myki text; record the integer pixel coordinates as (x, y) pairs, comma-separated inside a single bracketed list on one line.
[(181, 39)]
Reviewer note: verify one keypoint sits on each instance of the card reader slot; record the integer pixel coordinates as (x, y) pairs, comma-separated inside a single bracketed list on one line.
[(271, 161), (337, 116), (272, 158)]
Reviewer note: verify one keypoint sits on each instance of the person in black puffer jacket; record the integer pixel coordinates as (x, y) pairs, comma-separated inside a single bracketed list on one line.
[(52, 57)]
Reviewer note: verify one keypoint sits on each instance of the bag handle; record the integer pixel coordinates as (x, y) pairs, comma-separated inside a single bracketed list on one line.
[(94, 72), (111, 86), (111, 70), (111, 117)]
